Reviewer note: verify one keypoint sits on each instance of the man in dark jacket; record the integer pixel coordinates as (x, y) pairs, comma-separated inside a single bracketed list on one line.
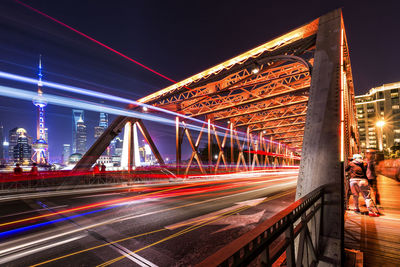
[(357, 169), (371, 174)]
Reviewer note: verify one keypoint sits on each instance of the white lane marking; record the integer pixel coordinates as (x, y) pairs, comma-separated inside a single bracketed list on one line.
[(124, 218), (208, 200), (132, 256), (251, 203), (100, 195), (34, 250), (30, 211)]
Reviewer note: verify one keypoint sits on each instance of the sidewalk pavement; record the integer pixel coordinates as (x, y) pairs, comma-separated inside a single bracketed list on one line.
[(377, 237)]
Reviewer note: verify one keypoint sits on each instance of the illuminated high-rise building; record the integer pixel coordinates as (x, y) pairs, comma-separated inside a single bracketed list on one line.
[(103, 120), (20, 148), (103, 124), (380, 104), (2, 158), (40, 146), (6, 146), (66, 153), (80, 137), (99, 130), (77, 115)]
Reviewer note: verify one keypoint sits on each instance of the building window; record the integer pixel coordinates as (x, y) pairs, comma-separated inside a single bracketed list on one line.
[(360, 116), (395, 107), (371, 110), (363, 130), (396, 130), (370, 129)]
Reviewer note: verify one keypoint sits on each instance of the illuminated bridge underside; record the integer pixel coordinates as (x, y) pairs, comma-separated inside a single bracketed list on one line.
[(272, 101)]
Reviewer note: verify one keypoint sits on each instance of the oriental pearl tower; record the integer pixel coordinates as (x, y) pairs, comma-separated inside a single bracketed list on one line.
[(40, 146)]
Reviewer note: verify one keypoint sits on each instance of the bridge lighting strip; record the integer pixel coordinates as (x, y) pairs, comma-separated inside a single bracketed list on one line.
[(342, 85)]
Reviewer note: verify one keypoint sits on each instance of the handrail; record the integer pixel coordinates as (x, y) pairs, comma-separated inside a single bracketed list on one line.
[(256, 242)]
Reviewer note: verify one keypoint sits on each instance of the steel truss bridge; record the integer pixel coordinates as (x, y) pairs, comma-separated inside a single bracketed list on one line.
[(289, 97)]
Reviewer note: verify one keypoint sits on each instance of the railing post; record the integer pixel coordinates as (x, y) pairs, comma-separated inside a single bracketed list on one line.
[(289, 234)]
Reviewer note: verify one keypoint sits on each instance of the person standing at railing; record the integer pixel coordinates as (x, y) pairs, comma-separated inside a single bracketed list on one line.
[(357, 170), (96, 170), (34, 170), (102, 167), (371, 174), (17, 169)]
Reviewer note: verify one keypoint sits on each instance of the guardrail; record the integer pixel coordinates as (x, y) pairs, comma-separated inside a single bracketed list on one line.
[(289, 237)]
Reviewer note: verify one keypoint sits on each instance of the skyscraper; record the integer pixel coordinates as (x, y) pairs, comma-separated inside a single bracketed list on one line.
[(80, 137), (103, 124), (77, 114), (5, 150), (2, 159), (103, 120), (13, 138), (99, 130), (66, 153), (20, 148), (40, 146)]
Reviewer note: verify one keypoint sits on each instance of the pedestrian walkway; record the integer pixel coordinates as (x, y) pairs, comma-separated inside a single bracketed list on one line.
[(377, 237)]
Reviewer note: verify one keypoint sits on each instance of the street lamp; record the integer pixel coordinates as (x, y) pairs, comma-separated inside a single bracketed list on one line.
[(380, 124)]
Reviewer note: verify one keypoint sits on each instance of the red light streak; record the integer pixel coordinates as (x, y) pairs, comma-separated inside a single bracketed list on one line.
[(94, 40), (207, 187)]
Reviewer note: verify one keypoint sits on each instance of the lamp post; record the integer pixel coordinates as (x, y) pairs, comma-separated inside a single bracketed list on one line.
[(380, 125)]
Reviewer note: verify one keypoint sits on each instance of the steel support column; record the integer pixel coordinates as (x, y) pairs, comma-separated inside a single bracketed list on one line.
[(320, 164), (209, 145), (178, 145), (101, 144)]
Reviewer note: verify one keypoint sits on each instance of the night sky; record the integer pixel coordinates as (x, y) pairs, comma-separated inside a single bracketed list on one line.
[(176, 38)]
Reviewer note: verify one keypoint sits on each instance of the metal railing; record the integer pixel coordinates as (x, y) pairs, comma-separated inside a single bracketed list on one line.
[(289, 238)]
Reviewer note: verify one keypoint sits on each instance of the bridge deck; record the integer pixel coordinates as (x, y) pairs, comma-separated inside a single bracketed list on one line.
[(378, 238)]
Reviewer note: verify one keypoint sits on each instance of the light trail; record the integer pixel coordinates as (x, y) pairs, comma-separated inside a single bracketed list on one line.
[(94, 40), (87, 105), (194, 227), (30, 227), (155, 231), (176, 191), (206, 191), (107, 97), (85, 207)]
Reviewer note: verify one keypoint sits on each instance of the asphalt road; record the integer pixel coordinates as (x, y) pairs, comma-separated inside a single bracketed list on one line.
[(169, 224)]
